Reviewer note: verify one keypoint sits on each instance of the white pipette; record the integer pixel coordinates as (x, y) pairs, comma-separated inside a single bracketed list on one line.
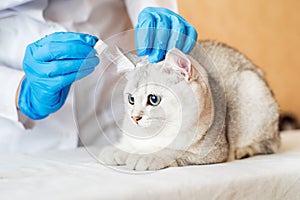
[(115, 55)]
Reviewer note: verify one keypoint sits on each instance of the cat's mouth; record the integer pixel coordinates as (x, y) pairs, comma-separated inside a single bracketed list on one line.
[(139, 121), (147, 122), (136, 119)]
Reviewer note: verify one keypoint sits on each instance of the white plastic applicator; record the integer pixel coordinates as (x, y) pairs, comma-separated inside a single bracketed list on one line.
[(115, 55)]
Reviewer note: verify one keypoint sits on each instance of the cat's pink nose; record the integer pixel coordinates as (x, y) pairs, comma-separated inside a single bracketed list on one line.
[(136, 118)]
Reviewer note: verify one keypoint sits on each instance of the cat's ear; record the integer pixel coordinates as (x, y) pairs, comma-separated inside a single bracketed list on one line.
[(178, 61)]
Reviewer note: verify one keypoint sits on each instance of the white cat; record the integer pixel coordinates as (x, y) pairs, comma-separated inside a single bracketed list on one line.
[(175, 118)]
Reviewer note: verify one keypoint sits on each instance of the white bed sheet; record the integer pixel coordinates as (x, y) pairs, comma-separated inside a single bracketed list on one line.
[(77, 175)]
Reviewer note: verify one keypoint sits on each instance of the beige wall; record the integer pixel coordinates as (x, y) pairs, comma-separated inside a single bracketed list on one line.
[(267, 31)]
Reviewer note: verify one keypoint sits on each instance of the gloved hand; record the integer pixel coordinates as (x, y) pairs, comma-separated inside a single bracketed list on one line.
[(159, 30), (51, 65)]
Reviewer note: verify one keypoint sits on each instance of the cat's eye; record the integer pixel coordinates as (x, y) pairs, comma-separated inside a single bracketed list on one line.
[(130, 99), (153, 100)]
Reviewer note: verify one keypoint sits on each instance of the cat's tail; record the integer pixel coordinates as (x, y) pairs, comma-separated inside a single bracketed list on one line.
[(288, 121)]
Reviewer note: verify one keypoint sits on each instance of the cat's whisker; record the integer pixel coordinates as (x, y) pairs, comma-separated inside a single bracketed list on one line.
[(157, 118)]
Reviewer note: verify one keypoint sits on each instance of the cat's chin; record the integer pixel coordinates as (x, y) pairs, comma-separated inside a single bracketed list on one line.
[(143, 124), (147, 123)]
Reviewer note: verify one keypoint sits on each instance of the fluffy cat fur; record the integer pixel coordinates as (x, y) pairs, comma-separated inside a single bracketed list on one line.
[(178, 131)]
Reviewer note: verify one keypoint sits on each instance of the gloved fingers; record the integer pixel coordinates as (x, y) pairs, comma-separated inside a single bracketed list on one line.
[(86, 39), (162, 34), (24, 101), (31, 101), (58, 67), (145, 33), (60, 51), (191, 33), (177, 34), (44, 103), (63, 67), (190, 39), (69, 66), (60, 82), (153, 41)]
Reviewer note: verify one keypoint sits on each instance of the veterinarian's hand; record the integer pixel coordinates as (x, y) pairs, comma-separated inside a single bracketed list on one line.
[(159, 30), (51, 65)]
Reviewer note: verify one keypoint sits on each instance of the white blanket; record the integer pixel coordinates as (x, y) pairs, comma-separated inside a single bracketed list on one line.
[(77, 175)]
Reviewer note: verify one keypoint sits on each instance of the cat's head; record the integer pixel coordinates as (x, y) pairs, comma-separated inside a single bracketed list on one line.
[(168, 92)]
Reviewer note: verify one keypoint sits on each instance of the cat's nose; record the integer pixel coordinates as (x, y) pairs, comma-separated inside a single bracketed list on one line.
[(136, 118)]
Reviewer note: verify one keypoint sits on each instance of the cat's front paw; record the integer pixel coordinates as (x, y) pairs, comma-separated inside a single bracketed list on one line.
[(112, 156), (244, 152), (149, 162)]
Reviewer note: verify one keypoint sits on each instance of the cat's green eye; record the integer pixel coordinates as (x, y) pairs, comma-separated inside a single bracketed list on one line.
[(130, 99), (153, 100)]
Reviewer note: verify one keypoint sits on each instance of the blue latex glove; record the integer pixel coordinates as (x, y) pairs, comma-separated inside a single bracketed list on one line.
[(51, 65), (159, 30)]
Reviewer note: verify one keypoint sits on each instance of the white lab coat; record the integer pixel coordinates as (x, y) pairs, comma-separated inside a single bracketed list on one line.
[(25, 21)]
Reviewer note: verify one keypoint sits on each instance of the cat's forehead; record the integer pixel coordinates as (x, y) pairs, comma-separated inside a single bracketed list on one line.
[(154, 77), (144, 72), (145, 88)]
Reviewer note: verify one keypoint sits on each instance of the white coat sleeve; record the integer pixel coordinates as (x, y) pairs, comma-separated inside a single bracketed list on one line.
[(134, 7), (9, 82), (5, 4)]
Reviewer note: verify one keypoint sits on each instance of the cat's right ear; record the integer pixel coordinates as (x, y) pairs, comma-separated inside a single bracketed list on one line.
[(178, 61)]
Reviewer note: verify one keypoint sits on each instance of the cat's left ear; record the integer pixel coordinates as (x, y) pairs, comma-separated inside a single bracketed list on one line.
[(179, 61)]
